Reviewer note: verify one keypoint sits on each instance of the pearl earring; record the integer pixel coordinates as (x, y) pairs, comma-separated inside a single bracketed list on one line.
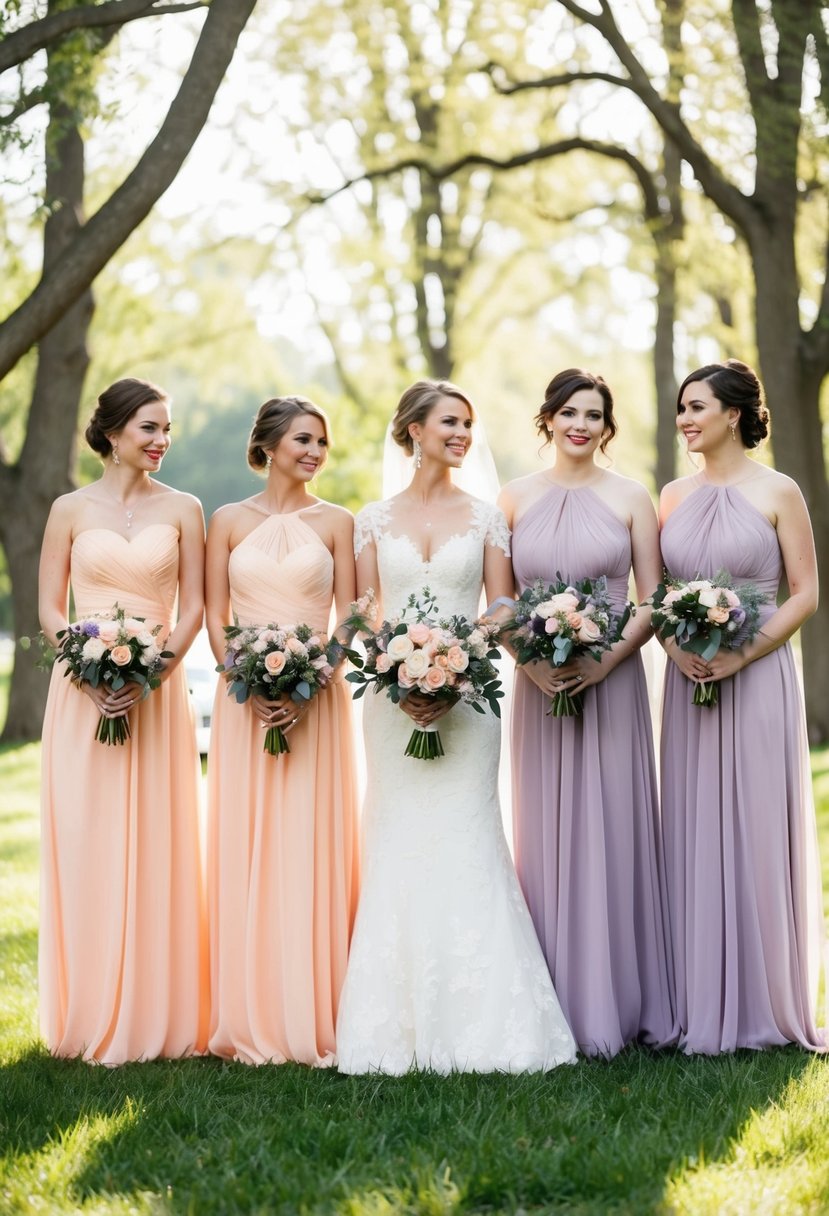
[(116, 459), (418, 454)]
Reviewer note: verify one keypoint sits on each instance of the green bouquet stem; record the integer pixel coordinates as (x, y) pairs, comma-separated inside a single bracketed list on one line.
[(275, 741), (113, 730), (707, 694), (425, 745), (565, 705)]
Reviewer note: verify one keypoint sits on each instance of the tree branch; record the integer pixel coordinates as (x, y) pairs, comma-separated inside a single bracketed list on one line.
[(557, 81), (24, 103), (22, 43), (441, 173), (107, 230), (720, 190)]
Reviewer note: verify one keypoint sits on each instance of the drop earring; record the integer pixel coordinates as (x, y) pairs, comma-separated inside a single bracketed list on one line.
[(418, 454), (116, 459), (733, 430), (268, 460)]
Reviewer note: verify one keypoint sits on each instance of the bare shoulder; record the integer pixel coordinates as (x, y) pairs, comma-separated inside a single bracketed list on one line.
[(676, 492), (224, 518), (336, 514), (630, 491), (521, 488)]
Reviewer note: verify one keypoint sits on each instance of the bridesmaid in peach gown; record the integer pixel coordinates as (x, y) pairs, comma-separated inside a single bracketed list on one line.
[(282, 835), (123, 949)]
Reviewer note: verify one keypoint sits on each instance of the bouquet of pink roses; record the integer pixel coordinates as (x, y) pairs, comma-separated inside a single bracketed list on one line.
[(114, 649), (275, 659), (448, 658), (560, 621), (704, 615)]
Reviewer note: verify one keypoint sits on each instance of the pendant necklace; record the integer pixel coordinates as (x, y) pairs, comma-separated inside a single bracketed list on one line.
[(129, 512)]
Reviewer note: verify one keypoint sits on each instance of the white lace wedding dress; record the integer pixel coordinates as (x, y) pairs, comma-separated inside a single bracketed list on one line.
[(445, 970)]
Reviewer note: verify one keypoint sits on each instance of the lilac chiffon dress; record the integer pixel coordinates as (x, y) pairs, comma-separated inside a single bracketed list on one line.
[(586, 825), (743, 876)]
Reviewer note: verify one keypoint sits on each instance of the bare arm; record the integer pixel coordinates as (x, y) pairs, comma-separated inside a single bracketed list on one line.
[(190, 584), (217, 581), (53, 576)]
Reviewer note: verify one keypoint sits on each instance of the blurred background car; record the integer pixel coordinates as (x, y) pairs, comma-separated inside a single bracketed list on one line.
[(202, 677)]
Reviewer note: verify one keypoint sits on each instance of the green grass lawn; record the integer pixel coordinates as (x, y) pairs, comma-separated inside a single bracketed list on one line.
[(742, 1134)]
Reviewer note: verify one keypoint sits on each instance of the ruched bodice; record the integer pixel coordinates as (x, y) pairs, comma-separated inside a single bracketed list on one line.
[(140, 574), (717, 528), (282, 572), (573, 532)]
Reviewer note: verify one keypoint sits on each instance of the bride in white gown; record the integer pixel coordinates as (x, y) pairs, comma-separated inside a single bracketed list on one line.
[(445, 970)]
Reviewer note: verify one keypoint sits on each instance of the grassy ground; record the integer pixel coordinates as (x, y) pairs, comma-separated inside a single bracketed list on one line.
[(741, 1134)]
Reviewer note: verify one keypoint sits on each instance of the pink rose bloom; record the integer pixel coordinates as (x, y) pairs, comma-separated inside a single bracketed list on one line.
[(295, 646), (403, 677), (383, 663), (671, 597), (417, 664), (718, 615), (551, 625), (121, 655), (399, 647), (589, 631), (442, 660), (574, 620), (457, 659), (434, 679), (420, 633), (108, 632), (275, 662)]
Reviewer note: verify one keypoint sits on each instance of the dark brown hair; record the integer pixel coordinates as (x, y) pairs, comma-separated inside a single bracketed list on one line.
[(559, 391), (272, 421), (417, 402), (736, 386), (116, 405)]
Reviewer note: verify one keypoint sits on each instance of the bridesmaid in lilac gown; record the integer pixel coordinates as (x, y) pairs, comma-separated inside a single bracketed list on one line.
[(740, 840), (586, 826)]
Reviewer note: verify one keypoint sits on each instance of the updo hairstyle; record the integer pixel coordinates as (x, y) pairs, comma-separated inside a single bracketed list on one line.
[(417, 403), (559, 391), (116, 405), (272, 422), (736, 386)]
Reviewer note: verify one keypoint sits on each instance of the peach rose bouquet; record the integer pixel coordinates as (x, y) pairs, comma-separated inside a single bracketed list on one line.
[(270, 660), (420, 651), (556, 622), (704, 615), (115, 649)]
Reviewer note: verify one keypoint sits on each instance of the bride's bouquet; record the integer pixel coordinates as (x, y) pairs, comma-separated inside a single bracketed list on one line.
[(419, 651), (561, 621), (114, 649), (271, 660), (705, 614)]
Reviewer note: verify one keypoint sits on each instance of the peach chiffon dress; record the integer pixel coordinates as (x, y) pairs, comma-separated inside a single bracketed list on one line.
[(282, 839), (123, 944)]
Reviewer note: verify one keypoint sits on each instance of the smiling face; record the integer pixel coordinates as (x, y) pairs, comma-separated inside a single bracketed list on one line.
[(702, 419), (144, 439), (302, 450), (577, 427), (445, 434)]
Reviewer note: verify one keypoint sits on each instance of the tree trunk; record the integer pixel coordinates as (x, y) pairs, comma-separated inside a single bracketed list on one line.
[(44, 468), (793, 393)]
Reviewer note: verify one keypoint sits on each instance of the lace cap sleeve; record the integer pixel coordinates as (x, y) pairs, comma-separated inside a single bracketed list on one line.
[(497, 530), (369, 524)]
